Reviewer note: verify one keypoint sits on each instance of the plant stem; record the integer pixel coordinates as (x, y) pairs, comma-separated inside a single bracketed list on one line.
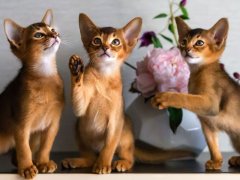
[(131, 66), (173, 20)]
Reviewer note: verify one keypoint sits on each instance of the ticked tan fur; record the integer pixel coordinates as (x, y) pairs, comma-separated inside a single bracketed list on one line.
[(103, 128), (31, 105), (97, 97), (213, 95)]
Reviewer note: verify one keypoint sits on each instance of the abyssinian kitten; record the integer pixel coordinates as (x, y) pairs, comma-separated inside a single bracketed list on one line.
[(213, 95), (102, 127), (31, 105)]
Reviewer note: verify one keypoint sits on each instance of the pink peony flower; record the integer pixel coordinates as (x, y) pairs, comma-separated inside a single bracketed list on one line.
[(162, 70)]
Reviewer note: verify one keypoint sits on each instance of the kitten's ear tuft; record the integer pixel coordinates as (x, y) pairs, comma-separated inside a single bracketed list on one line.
[(87, 29), (182, 28), (13, 32), (131, 31), (219, 31), (48, 17)]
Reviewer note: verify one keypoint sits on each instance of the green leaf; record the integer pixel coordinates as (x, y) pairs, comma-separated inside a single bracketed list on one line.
[(171, 28), (184, 17), (156, 42), (162, 15), (175, 118), (167, 38), (184, 11)]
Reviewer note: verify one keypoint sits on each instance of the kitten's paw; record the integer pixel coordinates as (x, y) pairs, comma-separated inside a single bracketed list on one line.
[(100, 168), (161, 100), (48, 167), (77, 163), (213, 165), (29, 172), (76, 65), (122, 165), (234, 161)]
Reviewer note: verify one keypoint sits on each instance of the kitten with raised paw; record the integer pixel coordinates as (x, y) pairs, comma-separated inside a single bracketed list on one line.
[(31, 105), (102, 127), (213, 95)]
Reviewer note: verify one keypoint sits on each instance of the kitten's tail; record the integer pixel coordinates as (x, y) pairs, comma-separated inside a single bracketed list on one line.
[(157, 156)]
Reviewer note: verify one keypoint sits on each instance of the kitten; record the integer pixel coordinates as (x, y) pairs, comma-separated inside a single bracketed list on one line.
[(31, 105), (213, 95), (102, 125)]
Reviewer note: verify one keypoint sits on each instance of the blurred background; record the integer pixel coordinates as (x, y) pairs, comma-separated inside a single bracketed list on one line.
[(111, 13)]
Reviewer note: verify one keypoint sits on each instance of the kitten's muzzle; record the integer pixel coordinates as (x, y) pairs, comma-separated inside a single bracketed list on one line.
[(56, 41), (54, 35), (104, 54), (105, 48)]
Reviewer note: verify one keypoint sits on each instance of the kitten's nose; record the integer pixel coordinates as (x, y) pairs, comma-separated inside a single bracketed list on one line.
[(105, 48), (188, 50), (54, 35)]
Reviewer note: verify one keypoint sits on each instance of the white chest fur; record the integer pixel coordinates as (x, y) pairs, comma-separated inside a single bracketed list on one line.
[(46, 66), (109, 66)]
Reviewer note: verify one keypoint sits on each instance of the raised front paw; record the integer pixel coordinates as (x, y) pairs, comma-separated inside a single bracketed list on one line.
[(161, 100), (29, 172), (76, 65), (234, 161), (102, 168), (213, 164), (48, 167)]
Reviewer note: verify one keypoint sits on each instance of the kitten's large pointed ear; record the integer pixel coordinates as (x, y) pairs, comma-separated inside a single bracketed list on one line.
[(219, 32), (131, 31), (13, 32), (87, 29), (182, 28), (48, 17)]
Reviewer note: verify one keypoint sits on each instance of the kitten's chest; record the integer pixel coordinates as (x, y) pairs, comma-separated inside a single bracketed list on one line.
[(45, 91)]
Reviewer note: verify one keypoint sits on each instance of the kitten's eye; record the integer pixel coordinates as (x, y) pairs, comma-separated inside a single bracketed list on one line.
[(199, 43), (53, 30), (97, 41), (38, 35), (116, 42), (183, 43)]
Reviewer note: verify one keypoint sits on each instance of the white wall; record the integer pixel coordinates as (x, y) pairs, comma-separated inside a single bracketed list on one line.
[(110, 13)]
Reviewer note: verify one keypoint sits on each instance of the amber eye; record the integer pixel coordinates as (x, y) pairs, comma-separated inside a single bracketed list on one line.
[(116, 42), (38, 35), (97, 41), (199, 43)]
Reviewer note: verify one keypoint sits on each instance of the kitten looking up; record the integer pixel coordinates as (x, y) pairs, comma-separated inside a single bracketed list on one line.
[(31, 105)]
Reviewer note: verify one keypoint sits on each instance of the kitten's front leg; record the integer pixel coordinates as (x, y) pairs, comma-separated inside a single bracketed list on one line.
[(103, 164), (81, 92), (43, 162), (26, 168), (199, 104), (164, 100), (215, 163), (76, 68)]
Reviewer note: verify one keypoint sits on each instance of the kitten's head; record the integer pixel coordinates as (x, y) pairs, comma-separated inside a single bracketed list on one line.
[(108, 46), (200, 46), (35, 41)]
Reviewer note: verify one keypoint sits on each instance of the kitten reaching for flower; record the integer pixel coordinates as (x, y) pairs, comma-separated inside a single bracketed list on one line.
[(213, 95), (31, 105), (102, 126)]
